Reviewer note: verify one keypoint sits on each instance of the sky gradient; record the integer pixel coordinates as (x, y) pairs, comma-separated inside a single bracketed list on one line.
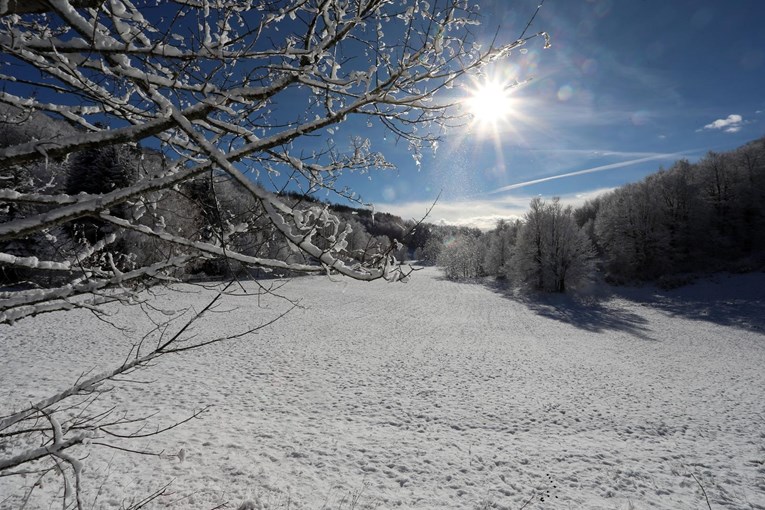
[(627, 87)]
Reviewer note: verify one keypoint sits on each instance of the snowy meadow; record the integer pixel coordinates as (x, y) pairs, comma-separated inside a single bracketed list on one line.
[(145, 146), (430, 394)]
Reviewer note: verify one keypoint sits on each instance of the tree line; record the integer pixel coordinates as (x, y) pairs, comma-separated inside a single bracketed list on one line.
[(697, 217), (689, 218)]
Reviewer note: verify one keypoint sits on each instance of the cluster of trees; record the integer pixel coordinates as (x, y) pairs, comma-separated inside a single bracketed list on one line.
[(546, 250), (703, 216), (693, 217)]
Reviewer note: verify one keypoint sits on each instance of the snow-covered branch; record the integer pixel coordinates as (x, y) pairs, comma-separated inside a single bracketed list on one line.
[(141, 144)]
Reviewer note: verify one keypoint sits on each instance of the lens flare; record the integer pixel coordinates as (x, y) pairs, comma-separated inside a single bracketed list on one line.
[(490, 103)]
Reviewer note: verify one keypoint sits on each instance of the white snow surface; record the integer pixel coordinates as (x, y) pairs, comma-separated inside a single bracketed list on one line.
[(427, 395)]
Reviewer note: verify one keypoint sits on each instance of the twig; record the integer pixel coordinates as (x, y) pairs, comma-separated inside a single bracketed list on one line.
[(703, 491), (151, 497)]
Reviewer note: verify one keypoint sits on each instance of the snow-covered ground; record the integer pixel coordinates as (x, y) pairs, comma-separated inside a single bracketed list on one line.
[(431, 395)]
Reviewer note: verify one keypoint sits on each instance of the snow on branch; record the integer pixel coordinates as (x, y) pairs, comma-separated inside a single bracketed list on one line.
[(204, 83), (140, 145)]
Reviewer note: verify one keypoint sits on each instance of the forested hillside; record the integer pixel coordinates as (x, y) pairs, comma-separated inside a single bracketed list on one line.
[(211, 209), (703, 216), (692, 217)]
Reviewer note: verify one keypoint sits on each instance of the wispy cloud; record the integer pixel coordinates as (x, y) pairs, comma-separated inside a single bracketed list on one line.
[(601, 168), (478, 213), (732, 124)]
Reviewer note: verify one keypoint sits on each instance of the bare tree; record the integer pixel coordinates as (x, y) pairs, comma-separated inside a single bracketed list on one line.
[(207, 83)]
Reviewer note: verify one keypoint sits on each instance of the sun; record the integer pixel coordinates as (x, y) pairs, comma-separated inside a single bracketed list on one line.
[(490, 103)]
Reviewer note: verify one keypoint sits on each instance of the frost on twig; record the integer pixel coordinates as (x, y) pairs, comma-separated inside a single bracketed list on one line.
[(71, 429), (125, 63)]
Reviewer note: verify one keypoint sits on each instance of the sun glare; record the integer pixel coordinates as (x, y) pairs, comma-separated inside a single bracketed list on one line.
[(490, 103)]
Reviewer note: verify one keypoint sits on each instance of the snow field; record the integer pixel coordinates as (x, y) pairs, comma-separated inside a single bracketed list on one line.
[(429, 395)]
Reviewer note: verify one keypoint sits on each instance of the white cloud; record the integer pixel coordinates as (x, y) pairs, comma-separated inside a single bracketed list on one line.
[(478, 213), (731, 124)]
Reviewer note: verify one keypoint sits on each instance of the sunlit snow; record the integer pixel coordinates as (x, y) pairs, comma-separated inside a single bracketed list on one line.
[(427, 395)]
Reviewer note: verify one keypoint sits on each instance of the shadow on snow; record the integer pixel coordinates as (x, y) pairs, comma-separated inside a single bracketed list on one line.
[(726, 300), (593, 314), (589, 313)]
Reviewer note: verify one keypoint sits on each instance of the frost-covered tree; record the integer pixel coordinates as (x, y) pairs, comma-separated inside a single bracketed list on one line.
[(631, 228), (460, 256), (230, 88), (499, 245), (750, 163), (691, 217), (569, 250), (552, 253), (96, 171), (430, 251), (529, 259)]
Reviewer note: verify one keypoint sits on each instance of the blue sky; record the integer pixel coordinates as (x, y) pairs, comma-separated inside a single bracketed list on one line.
[(627, 86)]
